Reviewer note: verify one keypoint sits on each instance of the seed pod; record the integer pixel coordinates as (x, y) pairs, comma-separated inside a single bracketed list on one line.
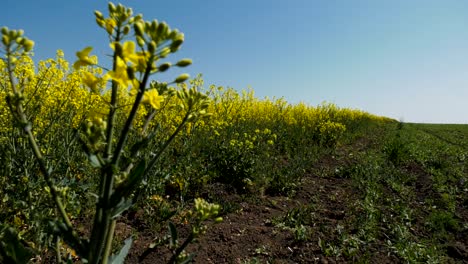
[(184, 62), (182, 78), (164, 67)]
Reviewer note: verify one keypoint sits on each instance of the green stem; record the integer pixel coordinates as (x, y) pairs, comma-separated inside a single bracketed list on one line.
[(181, 248), (132, 115), (102, 229), (109, 239), (101, 220), (59, 254), (32, 141)]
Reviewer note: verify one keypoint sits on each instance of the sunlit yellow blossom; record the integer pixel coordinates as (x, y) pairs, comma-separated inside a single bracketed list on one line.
[(128, 49), (120, 74), (135, 85), (139, 59), (110, 24), (84, 59), (91, 81), (153, 98)]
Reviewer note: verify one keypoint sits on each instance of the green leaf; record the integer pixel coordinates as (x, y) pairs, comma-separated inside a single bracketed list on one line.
[(121, 207), (11, 248), (120, 258), (173, 232), (130, 184), (94, 161), (142, 144)]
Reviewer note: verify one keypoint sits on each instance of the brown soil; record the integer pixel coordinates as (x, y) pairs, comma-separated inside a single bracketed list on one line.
[(250, 232)]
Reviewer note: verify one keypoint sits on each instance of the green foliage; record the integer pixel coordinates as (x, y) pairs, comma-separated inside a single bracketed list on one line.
[(442, 221), (396, 151), (12, 248), (93, 142)]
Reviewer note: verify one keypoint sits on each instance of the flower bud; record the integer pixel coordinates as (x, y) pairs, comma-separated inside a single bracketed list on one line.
[(182, 78), (184, 62), (164, 52), (19, 40), (126, 30), (100, 22), (120, 8), (139, 29), (140, 41), (152, 47), (4, 30), (5, 40), (111, 7), (162, 28), (147, 26), (154, 25), (164, 67), (98, 15), (28, 45), (178, 40), (12, 34), (20, 32), (174, 33)]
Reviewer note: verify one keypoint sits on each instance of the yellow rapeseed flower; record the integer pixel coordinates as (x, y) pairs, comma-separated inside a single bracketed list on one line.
[(110, 24), (120, 74), (139, 59), (84, 59), (153, 98), (91, 81)]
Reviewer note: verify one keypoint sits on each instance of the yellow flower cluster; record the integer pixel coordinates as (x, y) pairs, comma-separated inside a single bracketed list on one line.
[(57, 96)]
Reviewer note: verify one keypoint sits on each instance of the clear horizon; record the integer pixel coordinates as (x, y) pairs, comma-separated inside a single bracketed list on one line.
[(406, 60)]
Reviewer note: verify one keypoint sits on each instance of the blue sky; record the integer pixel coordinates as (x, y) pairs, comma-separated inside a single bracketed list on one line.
[(402, 59)]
